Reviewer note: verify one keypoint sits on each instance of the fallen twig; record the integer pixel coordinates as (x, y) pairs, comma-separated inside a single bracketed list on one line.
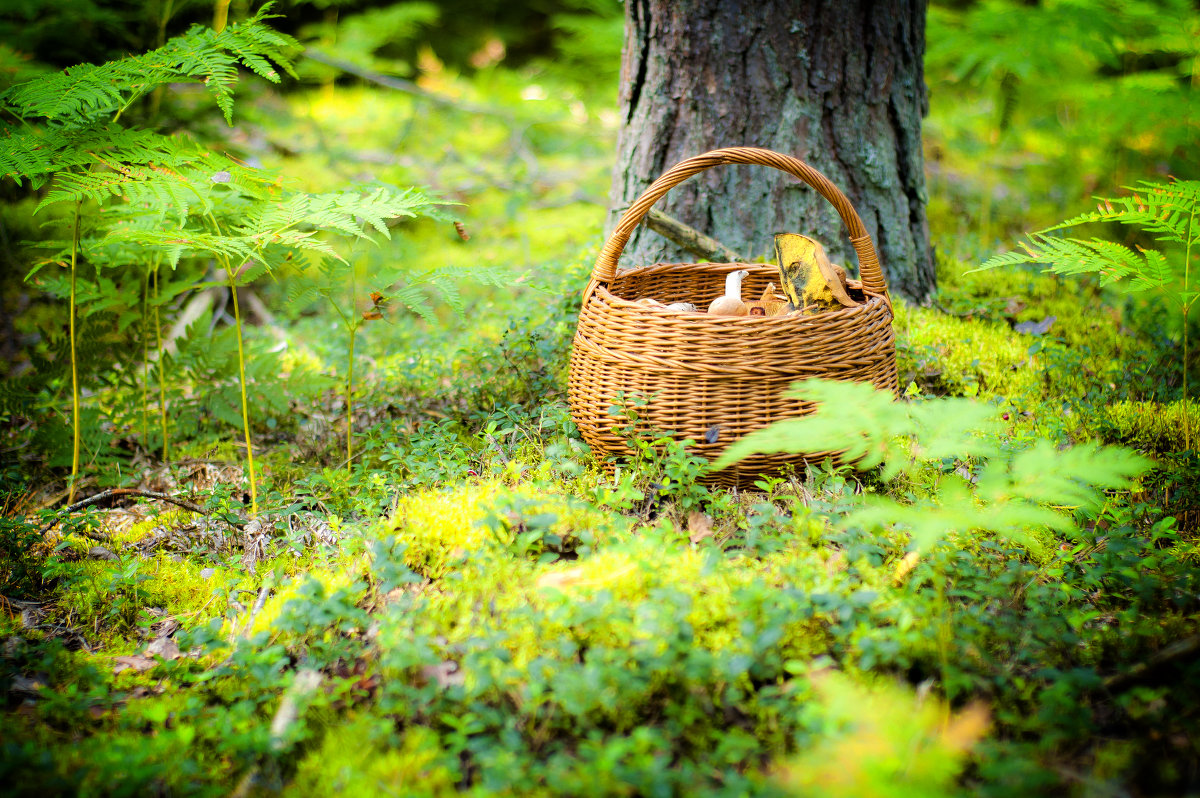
[(399, 84), (110, 493), (306, 683), (690, 238), (257, 608), (1177, 650)]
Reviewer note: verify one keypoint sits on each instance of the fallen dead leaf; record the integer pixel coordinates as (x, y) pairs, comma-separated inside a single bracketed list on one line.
[(906, 565), (27, 685), (561, 579), (835, 563), (164, 628), (164, 647), (699, 526), (446, 674), (1036, 327), (100, 553), (967, 727), (1015, 305), (136, 663)]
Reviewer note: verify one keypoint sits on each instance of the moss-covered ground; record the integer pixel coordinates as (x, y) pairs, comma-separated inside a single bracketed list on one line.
[(471, 604)]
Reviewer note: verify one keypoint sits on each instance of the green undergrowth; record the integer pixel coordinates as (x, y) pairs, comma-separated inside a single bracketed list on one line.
[(482, 609), (443, 592), (467, 643)]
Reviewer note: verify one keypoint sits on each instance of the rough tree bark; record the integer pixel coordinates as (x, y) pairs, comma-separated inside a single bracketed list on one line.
[(837, 83)]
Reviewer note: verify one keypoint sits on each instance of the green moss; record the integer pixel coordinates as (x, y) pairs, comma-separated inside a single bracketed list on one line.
[(1154, 427), (968, 345), (885, 741), (111, 598), (639, 593), (442, 527), (947, 355), (365, 756)]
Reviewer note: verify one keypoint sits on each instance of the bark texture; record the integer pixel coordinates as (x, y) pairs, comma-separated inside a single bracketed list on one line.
[(839, 84)]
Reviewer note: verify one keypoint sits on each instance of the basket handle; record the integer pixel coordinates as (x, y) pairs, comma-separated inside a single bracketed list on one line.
[(868, 260)]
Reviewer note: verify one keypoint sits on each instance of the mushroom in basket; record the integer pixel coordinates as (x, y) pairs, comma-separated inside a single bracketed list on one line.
[(811, 282), (731, 303)]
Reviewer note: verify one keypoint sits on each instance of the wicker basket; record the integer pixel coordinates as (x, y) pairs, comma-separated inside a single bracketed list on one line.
[(700, 371)]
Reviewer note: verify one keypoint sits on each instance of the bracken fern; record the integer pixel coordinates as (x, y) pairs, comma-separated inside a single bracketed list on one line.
[(1166, 211), (66, 129)]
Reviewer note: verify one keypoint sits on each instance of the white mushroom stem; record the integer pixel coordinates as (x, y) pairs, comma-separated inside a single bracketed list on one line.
[(731, 303)]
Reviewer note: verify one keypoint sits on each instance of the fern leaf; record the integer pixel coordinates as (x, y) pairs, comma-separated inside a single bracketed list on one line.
[(82, 93), (1072, 477), (1113, 262), (415, 299), (300, 296), (175, 244), (868, 439), (1163, 209)]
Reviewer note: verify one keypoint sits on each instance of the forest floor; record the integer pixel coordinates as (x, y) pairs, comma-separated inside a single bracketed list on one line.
[(470, 603)]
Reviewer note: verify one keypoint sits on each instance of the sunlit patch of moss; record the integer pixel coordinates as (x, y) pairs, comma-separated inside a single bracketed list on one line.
[(951, 356), (187, 587), (884, 740), (643, 592), (366, 756), (167, 519), (441, 527), (1085, 344), (1154, 427), (108, 600), (345, 576)]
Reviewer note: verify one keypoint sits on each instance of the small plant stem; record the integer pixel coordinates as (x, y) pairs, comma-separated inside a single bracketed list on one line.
[(146, 360), (350, 402), (1187, 305), (352, 328), (162, 379), (1187, 416), (944, 634), (237, 319), (74, 362), (220, 15), (231, 275)]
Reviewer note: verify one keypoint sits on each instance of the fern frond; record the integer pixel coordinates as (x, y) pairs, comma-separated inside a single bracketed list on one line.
[(415, 299), (1043, 473), (257, 45), (348, 212), (38, 152), (176, 244), (301, 295), (448, 289), (274, 246), (104, 161), (1164, 209), (445, 280), (147, 187), (870, 442), (1113, 262), (80, 94)]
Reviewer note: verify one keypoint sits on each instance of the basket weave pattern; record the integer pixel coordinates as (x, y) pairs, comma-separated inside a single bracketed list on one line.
[(700, 371)]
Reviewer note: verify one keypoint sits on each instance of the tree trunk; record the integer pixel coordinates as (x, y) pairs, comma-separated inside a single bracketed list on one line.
[(838, 84)]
